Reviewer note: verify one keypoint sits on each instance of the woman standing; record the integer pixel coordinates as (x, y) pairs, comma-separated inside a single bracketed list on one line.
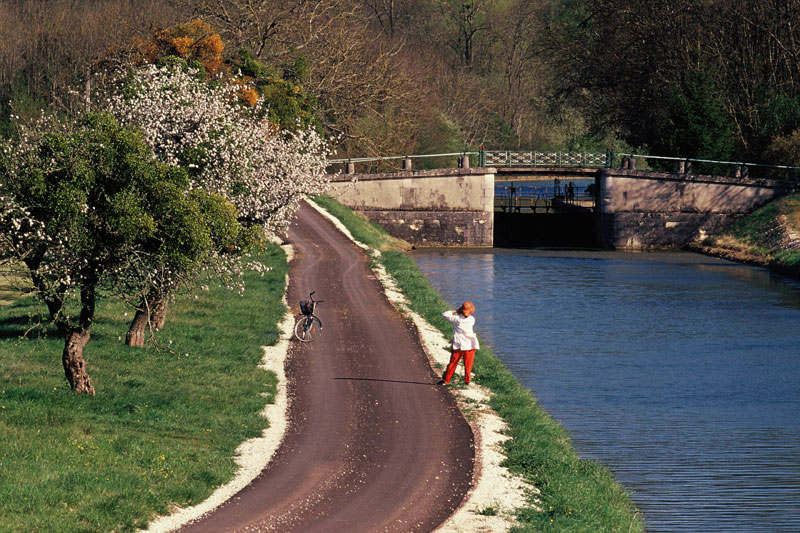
[(464, 341)]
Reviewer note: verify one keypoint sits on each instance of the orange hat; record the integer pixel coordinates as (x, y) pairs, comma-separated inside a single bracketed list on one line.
[(467, 306)]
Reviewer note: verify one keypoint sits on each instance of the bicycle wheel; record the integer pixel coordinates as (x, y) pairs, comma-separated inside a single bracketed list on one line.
[(307, 327)]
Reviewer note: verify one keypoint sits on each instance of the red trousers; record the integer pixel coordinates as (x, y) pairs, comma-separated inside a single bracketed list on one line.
[(469, 356)]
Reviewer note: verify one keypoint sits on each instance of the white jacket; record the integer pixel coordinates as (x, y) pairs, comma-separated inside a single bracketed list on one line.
[(463, 338)]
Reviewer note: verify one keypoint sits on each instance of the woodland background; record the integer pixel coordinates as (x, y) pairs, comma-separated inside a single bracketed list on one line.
[(707, 78)]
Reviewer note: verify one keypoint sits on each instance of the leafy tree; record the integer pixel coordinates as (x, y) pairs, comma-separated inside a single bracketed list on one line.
[(198, 238), (195, 42), (227, 149), (287, 104), (785, 149), (79, 203), (698, 123), (716, 79)]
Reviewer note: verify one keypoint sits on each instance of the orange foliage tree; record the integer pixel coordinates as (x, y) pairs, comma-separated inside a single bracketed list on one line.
[(199, 45), (195, 42)]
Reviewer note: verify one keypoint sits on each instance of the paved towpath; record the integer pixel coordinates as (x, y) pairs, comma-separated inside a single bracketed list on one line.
[(373, 444)]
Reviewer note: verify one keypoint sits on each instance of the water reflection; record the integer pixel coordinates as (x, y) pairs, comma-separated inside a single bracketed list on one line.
[(678, 371)]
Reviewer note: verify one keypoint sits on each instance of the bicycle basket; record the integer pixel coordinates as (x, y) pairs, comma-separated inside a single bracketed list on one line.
[(305, 307)]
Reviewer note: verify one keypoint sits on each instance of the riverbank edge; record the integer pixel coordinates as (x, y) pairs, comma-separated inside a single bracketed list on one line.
[(768, 238), (570, 493), (745, 257)]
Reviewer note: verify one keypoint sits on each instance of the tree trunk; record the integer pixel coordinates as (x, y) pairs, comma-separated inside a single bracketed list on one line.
[(75, 339), (135, 335), (152, 313), (159, 315), (54, 301), (74, 364)]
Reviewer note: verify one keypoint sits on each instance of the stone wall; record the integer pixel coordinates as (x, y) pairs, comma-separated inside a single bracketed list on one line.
[(642, 209), (444, 207), (437, 228)]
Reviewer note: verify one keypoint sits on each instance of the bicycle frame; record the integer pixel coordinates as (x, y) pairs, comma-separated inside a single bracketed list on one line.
[(304, 329)]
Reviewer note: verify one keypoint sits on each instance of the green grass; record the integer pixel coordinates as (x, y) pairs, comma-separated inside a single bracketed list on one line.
[(576, 494), (759, 234), (163, 425), (13, 285)]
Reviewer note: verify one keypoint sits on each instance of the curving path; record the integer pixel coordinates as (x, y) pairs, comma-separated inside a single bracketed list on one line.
[(373, 444)]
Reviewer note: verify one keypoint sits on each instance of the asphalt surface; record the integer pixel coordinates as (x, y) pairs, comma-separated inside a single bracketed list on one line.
[(373, 443)]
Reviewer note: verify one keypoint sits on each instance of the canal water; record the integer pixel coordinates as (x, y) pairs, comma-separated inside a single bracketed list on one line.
[(679, 372)]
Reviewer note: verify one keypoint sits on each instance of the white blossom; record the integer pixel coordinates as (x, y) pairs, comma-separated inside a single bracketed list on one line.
[(227, 147)]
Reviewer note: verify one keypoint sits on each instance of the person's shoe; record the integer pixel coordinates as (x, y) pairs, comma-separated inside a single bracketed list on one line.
[(441, 382)]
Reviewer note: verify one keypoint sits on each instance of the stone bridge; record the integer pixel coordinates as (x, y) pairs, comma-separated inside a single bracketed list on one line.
[(634, 209)]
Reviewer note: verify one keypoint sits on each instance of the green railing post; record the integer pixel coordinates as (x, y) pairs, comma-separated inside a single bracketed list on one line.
[(610, 157), (482, 156)]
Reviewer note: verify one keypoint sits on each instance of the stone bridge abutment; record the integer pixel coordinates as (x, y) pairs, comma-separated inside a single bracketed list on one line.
[(443, 207), (644, 209)]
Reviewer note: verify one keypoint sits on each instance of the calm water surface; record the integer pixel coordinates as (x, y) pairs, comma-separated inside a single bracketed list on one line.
[(679, 372)]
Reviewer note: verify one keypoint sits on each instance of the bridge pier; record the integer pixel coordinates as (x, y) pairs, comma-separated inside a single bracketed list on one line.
[(443, 207), (642, 209)]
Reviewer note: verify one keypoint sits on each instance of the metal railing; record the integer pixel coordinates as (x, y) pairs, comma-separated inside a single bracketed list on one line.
[(529, 158), (548, 198), (498, 158), (684, 164), (391, 157)]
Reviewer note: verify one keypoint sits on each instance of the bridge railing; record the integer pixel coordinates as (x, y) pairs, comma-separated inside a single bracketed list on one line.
[(607, 159), (493, 158), (462, 159), (530, 158), (687, 165)]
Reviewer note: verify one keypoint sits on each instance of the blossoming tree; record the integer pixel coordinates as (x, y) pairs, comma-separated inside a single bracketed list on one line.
[(227, 147), (91, 208)]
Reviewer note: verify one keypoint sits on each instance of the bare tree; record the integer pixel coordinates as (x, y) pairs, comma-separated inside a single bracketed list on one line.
[(465, 20), (47, 45)]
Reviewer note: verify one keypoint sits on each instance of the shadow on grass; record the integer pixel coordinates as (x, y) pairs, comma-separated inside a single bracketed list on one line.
[(14, 327)]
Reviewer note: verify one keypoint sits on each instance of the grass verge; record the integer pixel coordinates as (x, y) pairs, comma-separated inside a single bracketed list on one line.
[(576, 494), (164, 424)]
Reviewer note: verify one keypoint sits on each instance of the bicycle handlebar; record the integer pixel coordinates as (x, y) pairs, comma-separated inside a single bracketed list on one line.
[(311, 297)]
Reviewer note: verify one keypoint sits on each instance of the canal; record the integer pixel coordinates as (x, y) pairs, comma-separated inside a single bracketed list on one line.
[(678, 371)]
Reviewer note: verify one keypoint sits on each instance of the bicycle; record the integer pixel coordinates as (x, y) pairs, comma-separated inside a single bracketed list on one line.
[(309, 325)]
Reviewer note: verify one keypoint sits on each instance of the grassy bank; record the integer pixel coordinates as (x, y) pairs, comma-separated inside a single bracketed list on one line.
[(770, 237), (164, 424), (576, 494), (13, 285)]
